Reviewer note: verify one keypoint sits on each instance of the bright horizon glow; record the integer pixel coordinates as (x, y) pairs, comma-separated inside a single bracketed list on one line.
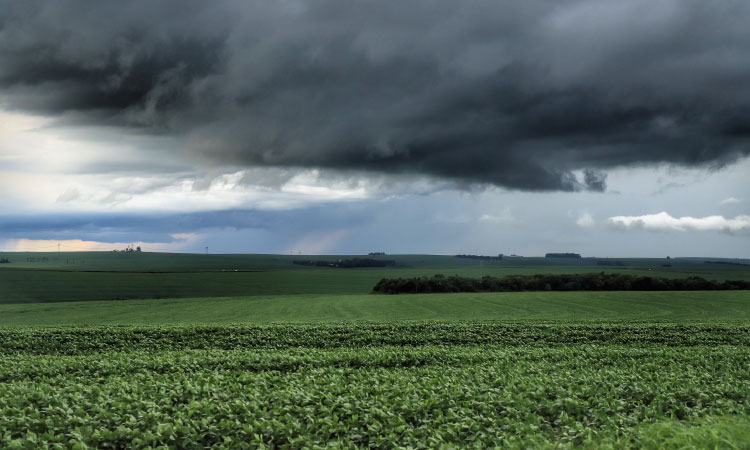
[(76, 245)]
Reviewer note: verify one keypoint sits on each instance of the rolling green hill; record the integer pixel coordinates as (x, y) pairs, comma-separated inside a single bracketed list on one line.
[(24, 286), (51, 277)]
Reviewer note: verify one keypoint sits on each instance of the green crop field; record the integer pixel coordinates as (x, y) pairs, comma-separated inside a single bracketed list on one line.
[(27, 286), (120, 350), (722, 306), (421, 385)]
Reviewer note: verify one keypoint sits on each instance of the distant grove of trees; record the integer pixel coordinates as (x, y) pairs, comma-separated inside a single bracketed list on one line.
[(563, 255), (376, 254), (348, 263), (129, 249), (4, 261), (551, 282), (498, 257)]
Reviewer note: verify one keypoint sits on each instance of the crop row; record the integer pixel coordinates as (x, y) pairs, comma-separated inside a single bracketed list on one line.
[(47, 367), (72, 341), (432, 396)]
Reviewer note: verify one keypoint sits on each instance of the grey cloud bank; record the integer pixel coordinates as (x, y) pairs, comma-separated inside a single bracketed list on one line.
[(529, 95)]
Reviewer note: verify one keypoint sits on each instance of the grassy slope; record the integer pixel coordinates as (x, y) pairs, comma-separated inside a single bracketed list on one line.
[(28, 286), (648, 306)]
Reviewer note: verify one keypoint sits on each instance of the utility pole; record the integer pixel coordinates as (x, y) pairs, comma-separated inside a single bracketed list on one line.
[(58, 247), (207, 250)]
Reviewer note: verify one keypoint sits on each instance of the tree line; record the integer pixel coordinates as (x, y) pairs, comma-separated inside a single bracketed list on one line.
[(563, 255), (347, 263), (551, 282), (498, 257)]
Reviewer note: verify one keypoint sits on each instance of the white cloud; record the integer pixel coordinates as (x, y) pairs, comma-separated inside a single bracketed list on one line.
[(505, 216), (585, 220), (730, 200), (664, 222), (70, 194), (162, 192)]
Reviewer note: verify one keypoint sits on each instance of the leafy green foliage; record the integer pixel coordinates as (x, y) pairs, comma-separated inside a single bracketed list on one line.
[(730, 432), (421, 396), (552, 282)]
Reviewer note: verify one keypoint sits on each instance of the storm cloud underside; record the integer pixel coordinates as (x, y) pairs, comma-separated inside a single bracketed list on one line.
[(524, 95)]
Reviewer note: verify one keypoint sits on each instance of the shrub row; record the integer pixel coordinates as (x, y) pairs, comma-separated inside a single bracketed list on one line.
[(551, 282)]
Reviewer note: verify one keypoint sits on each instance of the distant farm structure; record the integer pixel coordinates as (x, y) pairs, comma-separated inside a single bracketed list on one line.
[(131, 249)]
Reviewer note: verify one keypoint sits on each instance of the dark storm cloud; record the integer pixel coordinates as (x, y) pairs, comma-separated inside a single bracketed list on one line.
[(516, 94), (596, 181)]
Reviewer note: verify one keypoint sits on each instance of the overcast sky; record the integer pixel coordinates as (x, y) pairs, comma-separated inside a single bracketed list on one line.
[(609, 128)]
